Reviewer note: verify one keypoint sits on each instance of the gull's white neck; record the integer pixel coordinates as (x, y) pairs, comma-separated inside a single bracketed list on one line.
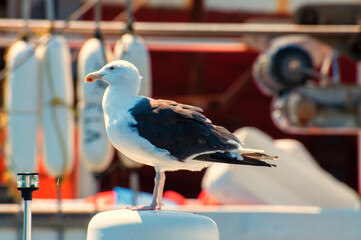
[(118, 100)]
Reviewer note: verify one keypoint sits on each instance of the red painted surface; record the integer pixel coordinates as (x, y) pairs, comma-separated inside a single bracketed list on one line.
[(172, 79), (174, 74)]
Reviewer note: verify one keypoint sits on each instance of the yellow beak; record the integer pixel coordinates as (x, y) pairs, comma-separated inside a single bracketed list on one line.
[(91, 77)]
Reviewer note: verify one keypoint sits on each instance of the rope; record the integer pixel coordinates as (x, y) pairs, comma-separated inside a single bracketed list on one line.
[(136, 6), (79, 12)]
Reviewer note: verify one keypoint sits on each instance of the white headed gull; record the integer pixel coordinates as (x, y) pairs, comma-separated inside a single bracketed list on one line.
[(161, 133)]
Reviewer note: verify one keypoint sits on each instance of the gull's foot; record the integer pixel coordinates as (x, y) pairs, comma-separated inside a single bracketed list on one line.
[(144, 208)]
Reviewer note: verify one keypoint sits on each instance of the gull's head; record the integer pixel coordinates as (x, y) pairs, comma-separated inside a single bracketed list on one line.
[(117, 73)]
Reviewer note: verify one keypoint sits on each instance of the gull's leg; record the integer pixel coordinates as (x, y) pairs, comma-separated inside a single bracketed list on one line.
[(156, 204), (159, 181)]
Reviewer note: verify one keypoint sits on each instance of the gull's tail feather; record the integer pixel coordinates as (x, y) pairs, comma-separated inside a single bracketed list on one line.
[(232, 158), (259, 156)]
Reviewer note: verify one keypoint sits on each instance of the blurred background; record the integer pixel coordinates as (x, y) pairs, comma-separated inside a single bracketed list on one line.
[(213, 72)]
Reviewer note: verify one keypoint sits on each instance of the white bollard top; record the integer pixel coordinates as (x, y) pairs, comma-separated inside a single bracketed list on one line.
[(151, 225)]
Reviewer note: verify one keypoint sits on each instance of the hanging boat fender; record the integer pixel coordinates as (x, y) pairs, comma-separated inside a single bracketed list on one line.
[(58, 98), (21, 101), (96, 152), (132, 48)]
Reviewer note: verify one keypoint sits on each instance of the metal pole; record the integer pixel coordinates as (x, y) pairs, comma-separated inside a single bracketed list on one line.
[(27, 182), (59, 182), (223, 30), (358, 79), (27, 220)]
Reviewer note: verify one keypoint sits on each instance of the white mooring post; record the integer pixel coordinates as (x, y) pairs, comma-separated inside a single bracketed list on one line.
[(151, 225)]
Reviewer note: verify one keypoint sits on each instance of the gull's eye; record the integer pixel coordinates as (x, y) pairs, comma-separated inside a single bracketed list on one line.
[(111, 68)]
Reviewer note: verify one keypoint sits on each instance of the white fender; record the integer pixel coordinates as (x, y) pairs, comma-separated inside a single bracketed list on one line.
[(92, 57), (96, 152), (58, 97), (21, 100), (132, 48)]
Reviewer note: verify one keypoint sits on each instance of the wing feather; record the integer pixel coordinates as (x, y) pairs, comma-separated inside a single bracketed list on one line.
[(181, 129)]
